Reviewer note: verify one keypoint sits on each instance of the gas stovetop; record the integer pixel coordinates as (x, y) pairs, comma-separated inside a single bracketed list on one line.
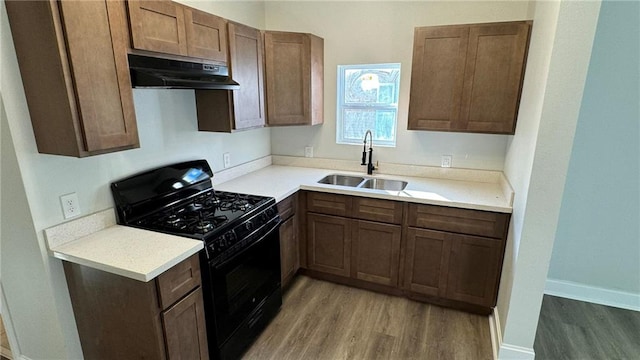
[(205, 215)]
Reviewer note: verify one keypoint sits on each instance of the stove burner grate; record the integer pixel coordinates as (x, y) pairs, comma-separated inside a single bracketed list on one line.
[(205, 213)]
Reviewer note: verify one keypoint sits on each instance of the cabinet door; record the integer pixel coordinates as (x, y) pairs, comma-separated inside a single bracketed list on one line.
[(206, 35), (158, 25), (81, 102), (376, 252), (287, 66), (493, 77), (329, 244), (246, 67), (98, 56), (289, 259), (426, 261), (437, 76), (294, 65), (184, 328), (474, 269)]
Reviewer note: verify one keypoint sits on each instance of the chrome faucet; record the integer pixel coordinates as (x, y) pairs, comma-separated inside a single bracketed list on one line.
[(369, 165)]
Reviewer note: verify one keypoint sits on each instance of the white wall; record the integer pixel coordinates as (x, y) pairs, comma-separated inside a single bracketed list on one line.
[(167, 126), (521, 147), (21, 264), (597, 245), (537, 161), (376, 32)]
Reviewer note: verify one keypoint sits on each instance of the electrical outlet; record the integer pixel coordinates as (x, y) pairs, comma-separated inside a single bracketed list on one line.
[(70, 205), (446, 161), (308, 151), (226, 157)]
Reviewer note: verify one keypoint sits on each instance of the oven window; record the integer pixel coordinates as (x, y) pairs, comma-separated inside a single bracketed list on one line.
[(243, 281)]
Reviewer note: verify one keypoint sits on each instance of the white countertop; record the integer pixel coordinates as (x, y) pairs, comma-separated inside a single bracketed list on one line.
[(95, 241), (281, 181)]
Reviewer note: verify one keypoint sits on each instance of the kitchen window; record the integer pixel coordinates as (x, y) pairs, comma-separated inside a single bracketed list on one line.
[(367, 100)]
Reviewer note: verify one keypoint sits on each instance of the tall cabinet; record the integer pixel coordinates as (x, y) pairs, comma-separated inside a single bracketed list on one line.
[(294, 64), (73, 61), (468, 78)]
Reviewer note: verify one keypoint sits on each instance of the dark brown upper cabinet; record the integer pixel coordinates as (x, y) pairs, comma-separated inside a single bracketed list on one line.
[(206, 35), (468, 78), (231, 110), (294, 64), (171, 28), (73, 61)]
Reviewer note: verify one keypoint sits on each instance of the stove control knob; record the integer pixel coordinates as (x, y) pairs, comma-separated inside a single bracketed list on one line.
[(249, 225)]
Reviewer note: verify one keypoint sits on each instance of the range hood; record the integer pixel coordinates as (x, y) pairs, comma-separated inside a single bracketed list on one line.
[(151, 72)]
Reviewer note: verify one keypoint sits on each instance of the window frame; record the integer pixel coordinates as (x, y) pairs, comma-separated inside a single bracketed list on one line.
[(341, 105)]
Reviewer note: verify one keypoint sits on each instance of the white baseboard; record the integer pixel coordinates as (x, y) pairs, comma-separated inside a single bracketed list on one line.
[(592, 294), (8, 327), (495, 332), (502, 351), (513, 352)]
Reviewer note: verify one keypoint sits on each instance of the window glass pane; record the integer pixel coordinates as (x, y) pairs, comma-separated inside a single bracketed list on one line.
[(356, 122), (367, 100), (385, 128), (370, 86)]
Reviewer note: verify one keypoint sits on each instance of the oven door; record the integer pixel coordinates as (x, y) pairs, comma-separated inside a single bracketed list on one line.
[(243, 282)]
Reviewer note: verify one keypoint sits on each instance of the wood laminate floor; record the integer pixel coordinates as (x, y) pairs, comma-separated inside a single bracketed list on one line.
[(5, 349), (322, 320), (570, 329)]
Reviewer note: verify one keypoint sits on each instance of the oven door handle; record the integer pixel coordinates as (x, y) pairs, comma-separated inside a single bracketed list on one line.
[(275, 227)]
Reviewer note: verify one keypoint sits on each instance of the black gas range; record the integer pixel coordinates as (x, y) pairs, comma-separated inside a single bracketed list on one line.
[(240, 263)]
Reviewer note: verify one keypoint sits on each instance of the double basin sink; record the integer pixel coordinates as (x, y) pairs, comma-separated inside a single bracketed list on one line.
[(363, 183)]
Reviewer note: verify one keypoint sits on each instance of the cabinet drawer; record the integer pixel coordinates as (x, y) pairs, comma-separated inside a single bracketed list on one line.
[(463, 221), (377, 210), (330, 204), (178, 281), (288, 207)]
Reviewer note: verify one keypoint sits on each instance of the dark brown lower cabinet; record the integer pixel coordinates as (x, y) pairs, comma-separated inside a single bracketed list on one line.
[(376, 252), (183, 328), (329, 244), (122, 318), (426, 262), (289, 243), (448, 256), (289, 259), (474, 269), (453, 266)]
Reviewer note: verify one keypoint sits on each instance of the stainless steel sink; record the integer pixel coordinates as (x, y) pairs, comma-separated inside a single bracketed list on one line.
[(364, 183), (344, 180), (384, 184)]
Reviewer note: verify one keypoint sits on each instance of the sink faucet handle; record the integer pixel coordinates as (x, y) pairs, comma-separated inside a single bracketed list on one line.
[(364, 154)]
